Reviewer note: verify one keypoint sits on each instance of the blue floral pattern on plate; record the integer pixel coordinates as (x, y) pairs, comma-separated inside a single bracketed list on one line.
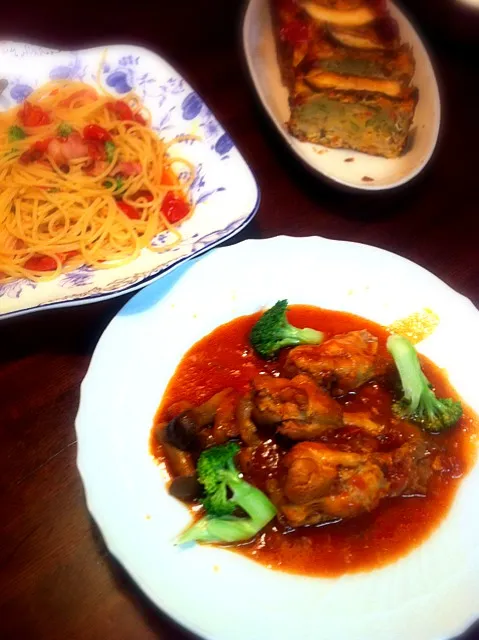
[(223, 190), (20, 92), (16, 288), (79, 278)]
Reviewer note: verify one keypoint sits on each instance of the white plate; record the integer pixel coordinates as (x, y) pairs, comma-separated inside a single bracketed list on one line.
[(430, 594), (224, 189), (260, 52)]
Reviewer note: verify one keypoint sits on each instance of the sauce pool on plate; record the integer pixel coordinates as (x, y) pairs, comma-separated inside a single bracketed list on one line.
[(224, 358)]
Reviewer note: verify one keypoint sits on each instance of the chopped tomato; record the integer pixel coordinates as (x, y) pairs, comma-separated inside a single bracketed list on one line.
[(41, 263), (144, 194), (120, 109), (174, 207), (36, 151), (128, 169), (67, 255), (139, 118), (169, 178), (31, 115), (88, 95), (96, 149), (295, 32), (42, 145), (128, 210), (95, 132)]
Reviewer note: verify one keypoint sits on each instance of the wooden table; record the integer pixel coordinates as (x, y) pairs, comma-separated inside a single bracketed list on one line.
[(57, 579)]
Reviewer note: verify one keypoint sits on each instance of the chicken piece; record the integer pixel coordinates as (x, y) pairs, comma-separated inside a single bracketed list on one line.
[(361, 489), (320, 484), (343, 362), (323, 484), (300, 408), (408, 468), (362, 420), (304, 430), (277, 399), (313, 469)]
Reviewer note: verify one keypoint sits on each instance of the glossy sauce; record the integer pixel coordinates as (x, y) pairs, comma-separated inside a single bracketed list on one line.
[(224, 358)]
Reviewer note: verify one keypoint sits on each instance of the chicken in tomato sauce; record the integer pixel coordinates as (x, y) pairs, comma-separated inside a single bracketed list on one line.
[(307, 454)]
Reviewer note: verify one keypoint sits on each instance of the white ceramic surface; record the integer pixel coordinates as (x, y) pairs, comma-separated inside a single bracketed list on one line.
[(260, 51), (430, 594), (469, 3), (224, 190)]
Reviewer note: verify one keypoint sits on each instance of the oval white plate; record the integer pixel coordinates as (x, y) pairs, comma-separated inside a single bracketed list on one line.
[(224, 190), (260, 51), (430, 594)]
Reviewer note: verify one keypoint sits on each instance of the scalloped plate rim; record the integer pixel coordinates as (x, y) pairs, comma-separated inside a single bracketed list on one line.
[(98, 297), (93, 498), (154, 275)]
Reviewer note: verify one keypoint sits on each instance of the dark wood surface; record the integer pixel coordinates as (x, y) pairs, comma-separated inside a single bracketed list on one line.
[(57, 580)]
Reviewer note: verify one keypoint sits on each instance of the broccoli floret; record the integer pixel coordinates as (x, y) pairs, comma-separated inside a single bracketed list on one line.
[(419, 402), (272, 332), (225, 490), (215, 468)]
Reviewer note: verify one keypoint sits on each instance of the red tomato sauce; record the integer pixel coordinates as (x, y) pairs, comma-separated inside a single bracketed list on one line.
[(224, 358)]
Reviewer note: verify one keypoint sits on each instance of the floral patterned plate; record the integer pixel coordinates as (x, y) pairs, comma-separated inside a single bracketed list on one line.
[(224, 190)]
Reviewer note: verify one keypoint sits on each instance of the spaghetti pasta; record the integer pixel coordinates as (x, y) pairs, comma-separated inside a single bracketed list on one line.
[(84, 179)]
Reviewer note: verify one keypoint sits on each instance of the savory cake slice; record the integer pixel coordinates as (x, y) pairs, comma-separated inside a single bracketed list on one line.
[(351, 13), (348, 75), (370, 122), (381, 35), (337, 67)]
